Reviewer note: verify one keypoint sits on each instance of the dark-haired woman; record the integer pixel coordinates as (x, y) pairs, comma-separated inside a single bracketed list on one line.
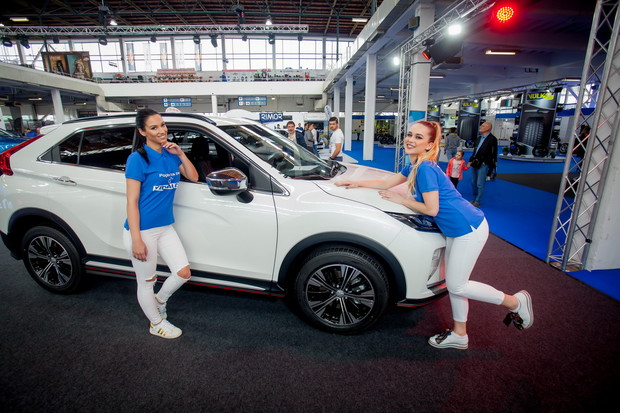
[(152, 174), (464, 226)]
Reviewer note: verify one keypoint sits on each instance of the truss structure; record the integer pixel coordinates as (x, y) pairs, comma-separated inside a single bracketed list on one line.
[(583, 180), (126, 31), (461, 12)]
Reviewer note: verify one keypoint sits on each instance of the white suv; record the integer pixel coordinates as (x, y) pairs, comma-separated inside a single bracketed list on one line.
[(266, 218)]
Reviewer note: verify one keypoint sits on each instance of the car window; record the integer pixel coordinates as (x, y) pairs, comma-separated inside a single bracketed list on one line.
[(290, 159), (101, 148)]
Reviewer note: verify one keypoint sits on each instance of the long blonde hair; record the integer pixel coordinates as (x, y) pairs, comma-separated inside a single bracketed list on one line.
[(430, 155)]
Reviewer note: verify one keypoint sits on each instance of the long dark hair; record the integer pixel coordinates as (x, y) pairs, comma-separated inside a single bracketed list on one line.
[(141, 117)]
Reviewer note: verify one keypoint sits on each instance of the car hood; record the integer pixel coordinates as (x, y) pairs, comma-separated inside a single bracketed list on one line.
[(364, 195)]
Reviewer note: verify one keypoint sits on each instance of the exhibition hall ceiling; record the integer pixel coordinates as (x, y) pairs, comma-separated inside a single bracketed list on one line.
[(549, 36)]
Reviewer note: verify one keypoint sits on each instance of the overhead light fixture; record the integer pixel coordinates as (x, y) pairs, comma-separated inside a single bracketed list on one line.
[(213, 39), (359, 20), (572, 79), (300, 37), (394, 89), (6, 42), (502, 52), (244, 37), (19, 19), (269, 22), (55, 39), (437, 76), (35, 98), (23, 40), (80, 103), (396, 60), (196, 39), (271, 38), (240, 10), (426, 54), (153, 39), (455, 29), (113, 22), (103, 40)]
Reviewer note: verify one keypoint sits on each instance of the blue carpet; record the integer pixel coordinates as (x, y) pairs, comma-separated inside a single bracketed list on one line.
[(516, 213)]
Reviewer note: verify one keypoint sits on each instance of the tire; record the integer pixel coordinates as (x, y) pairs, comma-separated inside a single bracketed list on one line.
[(563, 148), (347, 308), (52, 260)]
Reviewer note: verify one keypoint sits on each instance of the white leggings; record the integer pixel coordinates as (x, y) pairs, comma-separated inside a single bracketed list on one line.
[(461, 256), (166, 242)]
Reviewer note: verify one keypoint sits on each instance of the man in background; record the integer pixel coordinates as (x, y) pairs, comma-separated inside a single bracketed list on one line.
[(336, 140)]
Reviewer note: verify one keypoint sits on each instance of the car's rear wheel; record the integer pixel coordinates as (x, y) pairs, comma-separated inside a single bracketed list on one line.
[(341, 290), (52, 260)]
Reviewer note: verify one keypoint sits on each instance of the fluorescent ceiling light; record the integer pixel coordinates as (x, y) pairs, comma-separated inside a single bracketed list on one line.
[(502, 52), (359, 19), (394, 88), (572, 79), (437, 76), (19, 19), (35, 98)]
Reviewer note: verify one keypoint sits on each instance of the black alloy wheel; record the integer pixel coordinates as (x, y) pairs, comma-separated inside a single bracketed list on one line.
[(52, 260), (341, 290)]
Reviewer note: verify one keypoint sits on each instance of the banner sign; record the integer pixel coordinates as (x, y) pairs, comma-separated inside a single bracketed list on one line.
[(252, 100), (537, 118), (271, 117), (469, 120), (177, 102)]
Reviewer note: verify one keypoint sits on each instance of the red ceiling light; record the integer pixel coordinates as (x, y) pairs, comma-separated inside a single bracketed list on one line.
[(504, 13), (426, 54)]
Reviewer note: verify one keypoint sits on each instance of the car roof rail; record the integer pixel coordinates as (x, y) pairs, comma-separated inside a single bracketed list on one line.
[(133, 114)]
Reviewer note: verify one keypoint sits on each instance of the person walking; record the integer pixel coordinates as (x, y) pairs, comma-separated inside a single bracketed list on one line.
[(336, 140), (465, 227), (456, 166), (152, 174), (453, 141), (483, 158)]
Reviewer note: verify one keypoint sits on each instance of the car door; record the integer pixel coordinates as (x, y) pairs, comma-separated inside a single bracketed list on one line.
[(87, 186), (228, 241)]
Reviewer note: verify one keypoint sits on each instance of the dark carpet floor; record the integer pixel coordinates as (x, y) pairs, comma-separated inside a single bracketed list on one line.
[(91, 351)]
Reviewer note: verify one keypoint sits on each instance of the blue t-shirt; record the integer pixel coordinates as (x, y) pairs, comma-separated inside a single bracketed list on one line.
[(159, 180), (456, 216)]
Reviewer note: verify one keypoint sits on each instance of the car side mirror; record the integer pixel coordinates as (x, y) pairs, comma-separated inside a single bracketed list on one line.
[(229, 181)]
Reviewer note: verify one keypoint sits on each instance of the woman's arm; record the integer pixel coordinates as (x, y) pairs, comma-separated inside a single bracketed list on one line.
[(187, 168), (386, 183), (138, 248), (430, 206)]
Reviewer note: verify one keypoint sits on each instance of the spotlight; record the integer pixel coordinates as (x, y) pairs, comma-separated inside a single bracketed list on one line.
[(396, 60), (153, 39), (269, 22), (55, 39), (244, 37), (271, 39), (197, 39), (213, 39), (240, 14), (426, 54), (6, 42), (455, 29), (23, 40), (300, 37), (103, 40)]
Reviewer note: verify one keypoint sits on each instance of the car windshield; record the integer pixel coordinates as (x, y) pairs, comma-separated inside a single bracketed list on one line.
[(283, 154)]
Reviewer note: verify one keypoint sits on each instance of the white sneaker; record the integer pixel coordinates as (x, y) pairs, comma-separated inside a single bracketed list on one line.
[(449, 339), (523, 316), (161, 308), (165, 329)]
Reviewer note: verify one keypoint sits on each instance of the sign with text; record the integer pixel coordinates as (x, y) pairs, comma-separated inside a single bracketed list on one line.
[(252, 100), (177, 102), (271, 117)]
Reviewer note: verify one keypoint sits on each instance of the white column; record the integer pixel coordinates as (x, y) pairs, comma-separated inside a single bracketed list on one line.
[(123, 55), (214, 104), (348, 113), (421, 70), (173, 53), (336, 107), (369, 106), (58, 109)]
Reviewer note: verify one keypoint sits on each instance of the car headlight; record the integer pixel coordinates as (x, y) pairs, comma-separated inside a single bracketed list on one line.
[(417, 222)]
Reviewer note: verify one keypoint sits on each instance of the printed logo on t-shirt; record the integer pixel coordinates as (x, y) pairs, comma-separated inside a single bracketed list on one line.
[(169, 185)]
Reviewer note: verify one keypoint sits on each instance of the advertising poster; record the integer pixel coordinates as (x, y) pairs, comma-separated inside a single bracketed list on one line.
[(469, 120), (433, 114), (75, 64), (537, 117)]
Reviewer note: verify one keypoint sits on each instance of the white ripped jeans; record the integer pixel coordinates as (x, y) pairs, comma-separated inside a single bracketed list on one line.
[(461, 256), (165, 241)]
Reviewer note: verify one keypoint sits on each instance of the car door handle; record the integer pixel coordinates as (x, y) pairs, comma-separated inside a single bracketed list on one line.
[(65, 181)]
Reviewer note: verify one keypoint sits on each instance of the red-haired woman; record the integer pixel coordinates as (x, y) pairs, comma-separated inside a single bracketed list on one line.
[(464, 226)]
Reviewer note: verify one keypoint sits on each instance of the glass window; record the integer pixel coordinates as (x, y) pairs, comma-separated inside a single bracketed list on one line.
[(101, 148)]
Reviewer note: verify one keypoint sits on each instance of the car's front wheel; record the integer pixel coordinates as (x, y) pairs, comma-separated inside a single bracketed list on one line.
[(341, 289), (52, 260)]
